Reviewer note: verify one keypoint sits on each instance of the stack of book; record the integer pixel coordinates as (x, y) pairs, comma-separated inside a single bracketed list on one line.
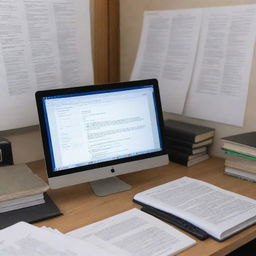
[(187, 143), (20, 188), (240, 155), (23, 196)]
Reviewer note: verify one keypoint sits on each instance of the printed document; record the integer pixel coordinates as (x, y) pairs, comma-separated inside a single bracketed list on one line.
[(44, 44), (24, 239), (202, 59), (222, 71), (135, 233), (167, 52), (219, 212)]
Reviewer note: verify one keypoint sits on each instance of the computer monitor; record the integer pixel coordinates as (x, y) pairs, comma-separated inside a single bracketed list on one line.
[(92, 133)]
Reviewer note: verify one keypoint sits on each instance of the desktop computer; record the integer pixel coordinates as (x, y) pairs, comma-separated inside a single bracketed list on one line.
[(95, 133)]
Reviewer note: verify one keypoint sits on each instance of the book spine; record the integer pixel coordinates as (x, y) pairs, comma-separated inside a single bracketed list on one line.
[(178, 158), (173, 142)]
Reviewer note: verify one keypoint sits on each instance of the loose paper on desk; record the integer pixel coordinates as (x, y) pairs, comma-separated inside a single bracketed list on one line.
[(222, 70), (43, 44), (167, 52), (135, 233), (24, 239)]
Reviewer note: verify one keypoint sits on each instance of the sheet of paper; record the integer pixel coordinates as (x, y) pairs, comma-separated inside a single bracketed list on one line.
[(167, 52), (222, 70), (213, 209), (135, 233), (24, 239), (43, 44)]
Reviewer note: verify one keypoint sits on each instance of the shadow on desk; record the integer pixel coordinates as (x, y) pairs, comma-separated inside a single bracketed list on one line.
[(246, 250)]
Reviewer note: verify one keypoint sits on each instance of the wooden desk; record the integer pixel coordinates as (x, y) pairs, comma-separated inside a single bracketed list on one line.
[(81, 207)]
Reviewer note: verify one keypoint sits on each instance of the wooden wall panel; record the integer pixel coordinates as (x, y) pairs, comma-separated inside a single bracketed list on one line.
[(105, 22)]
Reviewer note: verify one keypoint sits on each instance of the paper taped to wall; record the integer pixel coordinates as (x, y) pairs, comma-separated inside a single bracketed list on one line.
[(219, 40), (43, 44)]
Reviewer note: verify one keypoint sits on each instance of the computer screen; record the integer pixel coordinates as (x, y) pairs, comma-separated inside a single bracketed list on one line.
[(95, 132)]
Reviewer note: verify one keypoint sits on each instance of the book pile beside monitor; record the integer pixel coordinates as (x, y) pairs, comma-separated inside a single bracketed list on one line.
[(20, 187), (187, 143), (240, 155), (23, 196)]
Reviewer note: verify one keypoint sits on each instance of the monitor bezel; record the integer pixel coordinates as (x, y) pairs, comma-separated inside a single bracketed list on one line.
[(89, 88)]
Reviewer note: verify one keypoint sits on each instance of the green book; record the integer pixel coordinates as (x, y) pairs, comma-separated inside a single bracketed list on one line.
[(230, 152)]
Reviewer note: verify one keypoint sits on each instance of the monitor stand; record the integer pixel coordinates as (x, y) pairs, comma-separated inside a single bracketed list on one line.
[(109, 186)]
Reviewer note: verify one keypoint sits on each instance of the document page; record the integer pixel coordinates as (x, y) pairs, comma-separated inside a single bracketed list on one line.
[(24, 239), (213, 209), (222, 71), (167, 52), (135, 233), (42, 45)]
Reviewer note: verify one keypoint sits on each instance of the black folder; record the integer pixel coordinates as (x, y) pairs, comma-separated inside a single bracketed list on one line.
[(30, 214)]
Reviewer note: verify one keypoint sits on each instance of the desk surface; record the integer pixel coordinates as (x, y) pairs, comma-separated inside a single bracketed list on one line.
[(81, 207)]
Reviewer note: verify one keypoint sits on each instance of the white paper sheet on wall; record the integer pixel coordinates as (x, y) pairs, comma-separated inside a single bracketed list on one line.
[(167, 52), (222, 71), (220, 41), (43, 44)]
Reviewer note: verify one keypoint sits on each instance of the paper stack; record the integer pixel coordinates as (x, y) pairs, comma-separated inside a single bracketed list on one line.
[(126, 234)]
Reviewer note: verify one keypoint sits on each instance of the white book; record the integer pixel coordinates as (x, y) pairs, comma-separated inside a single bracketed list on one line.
[(135, 233), (240, 174), (24, 239), (18, 203), (219, 212)]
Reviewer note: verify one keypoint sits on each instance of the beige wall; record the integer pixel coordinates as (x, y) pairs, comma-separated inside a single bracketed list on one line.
[(26, 144), (131, 16)]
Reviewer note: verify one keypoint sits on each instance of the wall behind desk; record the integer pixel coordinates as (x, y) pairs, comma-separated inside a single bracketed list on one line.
[(131, 17)]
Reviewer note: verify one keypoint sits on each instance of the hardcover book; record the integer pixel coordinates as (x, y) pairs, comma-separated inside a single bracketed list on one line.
[(240, 174), (186, 143), (187, 131), (186, 159), (186, 150), (241, 163), (244, 143), (19, 181)]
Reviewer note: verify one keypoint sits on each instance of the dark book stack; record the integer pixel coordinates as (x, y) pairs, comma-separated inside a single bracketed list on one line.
[(240, 155), (187, 143)]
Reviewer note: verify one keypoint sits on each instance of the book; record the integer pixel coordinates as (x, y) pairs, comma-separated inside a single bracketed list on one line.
[(186, 159), (230, 152), (20, 187), (187, 131), (190, 151), (188, 144), (136, 233), (240, 174), (244, 143), (14, 204), (219, 212), (31, 214), (241, 163)]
